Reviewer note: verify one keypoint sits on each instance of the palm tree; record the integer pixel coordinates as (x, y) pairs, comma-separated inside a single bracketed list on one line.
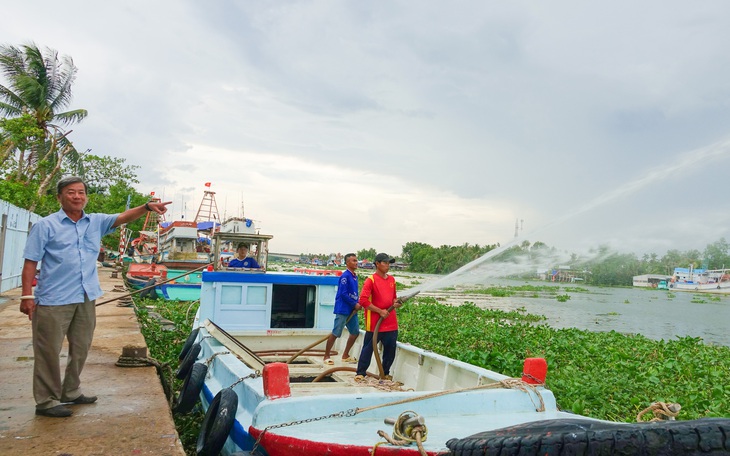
[(40, 86)]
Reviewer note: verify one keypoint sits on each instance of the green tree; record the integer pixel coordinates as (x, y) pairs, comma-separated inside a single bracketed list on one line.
[(18, 133), (716, 254), (39, 85), (615, 269), (366, 254), (114, 201), (101, 173)]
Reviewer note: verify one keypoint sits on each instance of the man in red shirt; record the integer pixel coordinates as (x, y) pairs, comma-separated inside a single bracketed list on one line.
[(378, 299)]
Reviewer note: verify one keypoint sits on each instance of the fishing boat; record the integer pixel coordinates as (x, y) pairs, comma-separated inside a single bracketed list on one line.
[(716, 281), (140, 274), (182, 285), (179, 246), (254, 360)]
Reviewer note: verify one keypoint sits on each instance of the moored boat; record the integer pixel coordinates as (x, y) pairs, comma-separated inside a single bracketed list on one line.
[(715, 281), (255, 361), (178, 291), (140, 274), (179, 246)]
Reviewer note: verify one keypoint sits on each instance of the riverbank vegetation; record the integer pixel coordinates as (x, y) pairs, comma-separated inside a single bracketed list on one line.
[(600, 266), (604, 375)]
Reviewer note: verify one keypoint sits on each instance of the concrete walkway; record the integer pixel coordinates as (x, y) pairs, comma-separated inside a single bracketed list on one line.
[(131, 417)]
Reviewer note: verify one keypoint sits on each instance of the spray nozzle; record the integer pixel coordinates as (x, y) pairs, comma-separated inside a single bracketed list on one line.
[(406, 297)]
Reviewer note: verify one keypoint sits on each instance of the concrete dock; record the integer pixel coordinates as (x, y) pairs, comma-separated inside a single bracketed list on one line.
[(131, 416)]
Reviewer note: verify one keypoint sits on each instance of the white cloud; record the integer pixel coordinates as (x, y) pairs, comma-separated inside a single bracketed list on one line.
[(348, 125)]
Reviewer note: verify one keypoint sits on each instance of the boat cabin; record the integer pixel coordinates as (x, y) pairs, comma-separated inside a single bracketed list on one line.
[(225, 244), (245, 299)]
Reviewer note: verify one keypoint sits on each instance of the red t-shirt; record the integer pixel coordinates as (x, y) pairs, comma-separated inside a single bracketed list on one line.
[(379, 292)]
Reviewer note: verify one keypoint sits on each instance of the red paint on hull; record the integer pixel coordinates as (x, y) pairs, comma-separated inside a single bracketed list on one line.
[(278, 445)]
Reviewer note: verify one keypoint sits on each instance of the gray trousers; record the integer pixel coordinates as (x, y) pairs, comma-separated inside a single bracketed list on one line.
[(51, 324)]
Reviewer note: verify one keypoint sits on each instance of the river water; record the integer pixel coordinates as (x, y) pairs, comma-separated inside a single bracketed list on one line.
[(656, 314)]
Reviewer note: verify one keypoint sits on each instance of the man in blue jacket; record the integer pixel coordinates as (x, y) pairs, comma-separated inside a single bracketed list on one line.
[(242, 260), (345, 304)]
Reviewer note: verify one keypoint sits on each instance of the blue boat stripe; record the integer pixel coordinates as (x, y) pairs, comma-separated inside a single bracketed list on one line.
[(233, 277)]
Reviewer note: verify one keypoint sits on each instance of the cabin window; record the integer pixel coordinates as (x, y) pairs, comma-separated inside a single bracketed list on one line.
[(293, 306), (231, 295), (256, 295)]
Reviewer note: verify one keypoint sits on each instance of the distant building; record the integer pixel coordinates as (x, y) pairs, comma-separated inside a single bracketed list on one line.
[(650, 280), (563, 274)]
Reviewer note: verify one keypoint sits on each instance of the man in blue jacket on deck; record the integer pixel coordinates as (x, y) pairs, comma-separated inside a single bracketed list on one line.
[(345, 304), (241, 260)]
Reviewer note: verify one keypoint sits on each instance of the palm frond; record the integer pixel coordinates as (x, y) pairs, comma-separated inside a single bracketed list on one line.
[(12, 61), (67, 118), (62, 81), (8, 109)]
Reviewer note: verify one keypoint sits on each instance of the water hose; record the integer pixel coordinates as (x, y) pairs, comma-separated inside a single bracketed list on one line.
[(289, 361), (338, 369), (378, 361), (152, 286)]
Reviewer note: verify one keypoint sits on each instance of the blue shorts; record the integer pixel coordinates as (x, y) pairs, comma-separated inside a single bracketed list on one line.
[(352, 326)]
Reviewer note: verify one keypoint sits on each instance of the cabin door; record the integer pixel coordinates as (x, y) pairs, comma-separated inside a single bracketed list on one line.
[(243, 306)]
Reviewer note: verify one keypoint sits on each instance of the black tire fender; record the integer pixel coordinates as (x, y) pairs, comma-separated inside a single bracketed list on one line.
[(576, 436), (188, 362), (191, 389), (149, 293), (217, 423), (188, 344)]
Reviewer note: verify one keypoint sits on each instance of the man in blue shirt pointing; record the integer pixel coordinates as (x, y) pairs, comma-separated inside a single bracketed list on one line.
[(67, 244)]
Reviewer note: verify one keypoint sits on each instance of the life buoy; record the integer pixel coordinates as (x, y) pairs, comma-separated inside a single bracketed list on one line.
[(191, 389), (217, 423), (188, 362), (188, 344), (576, 436)]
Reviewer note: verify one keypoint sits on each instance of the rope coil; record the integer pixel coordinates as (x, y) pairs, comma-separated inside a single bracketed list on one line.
[(661, 410), (408, 428)]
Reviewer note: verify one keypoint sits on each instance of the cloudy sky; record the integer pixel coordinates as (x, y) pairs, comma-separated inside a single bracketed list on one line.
[(342, 125)]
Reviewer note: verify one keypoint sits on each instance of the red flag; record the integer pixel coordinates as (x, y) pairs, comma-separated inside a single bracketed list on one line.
[(207, 184), (152, 193)]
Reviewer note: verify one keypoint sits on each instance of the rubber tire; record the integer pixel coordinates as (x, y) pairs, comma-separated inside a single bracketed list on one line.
[(151, 293), (217, 423), (705, 436), (188, 362), (188, 344), (190, 391)]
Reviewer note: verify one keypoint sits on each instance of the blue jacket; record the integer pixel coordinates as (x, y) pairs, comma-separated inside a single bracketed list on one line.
[(245, 263), (346, 298)]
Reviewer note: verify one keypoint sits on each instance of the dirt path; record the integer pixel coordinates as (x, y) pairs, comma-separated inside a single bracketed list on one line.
[(131, 416)]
